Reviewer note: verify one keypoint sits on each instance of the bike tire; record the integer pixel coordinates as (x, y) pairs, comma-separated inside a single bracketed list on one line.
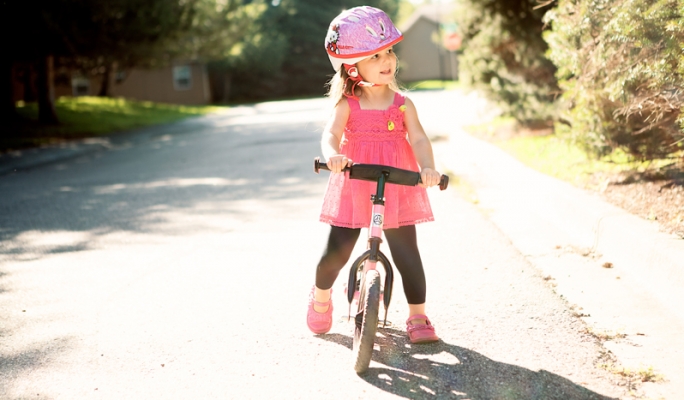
[(366, 321)]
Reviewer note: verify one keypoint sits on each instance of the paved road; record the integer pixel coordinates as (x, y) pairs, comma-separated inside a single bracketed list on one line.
[(176, 263)]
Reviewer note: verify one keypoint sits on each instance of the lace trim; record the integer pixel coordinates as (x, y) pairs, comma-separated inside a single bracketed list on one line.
[(373, 137)]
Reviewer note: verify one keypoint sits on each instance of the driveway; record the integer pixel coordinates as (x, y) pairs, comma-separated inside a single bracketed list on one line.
[(175, 262)]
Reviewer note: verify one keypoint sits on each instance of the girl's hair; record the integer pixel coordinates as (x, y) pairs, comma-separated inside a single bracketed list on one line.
[(337, 89)]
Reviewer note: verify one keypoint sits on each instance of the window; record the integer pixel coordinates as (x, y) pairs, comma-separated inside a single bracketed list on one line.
[(80, 86), (182, 77), (119, 76)]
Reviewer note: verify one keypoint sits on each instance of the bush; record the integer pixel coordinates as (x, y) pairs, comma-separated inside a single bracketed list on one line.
[(504, 57), (619, 67)]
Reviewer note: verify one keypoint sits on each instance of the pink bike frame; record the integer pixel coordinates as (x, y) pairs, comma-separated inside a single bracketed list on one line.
[(375, 230)]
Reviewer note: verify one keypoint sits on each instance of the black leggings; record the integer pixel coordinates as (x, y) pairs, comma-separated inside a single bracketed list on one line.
[(403, 247)]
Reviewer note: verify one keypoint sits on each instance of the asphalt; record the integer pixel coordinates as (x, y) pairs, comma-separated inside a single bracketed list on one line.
[(568, 233)]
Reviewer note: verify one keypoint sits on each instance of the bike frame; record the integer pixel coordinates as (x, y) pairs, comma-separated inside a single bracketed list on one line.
[(369, 259)]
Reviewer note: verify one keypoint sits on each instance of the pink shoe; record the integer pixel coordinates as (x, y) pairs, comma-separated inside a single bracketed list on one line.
[(319, 323), (421, 333)]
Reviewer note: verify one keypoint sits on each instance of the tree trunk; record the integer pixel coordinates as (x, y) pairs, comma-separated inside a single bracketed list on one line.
[(104, 87), (28, 78), (46, 91), (7, 107), (227, 81)]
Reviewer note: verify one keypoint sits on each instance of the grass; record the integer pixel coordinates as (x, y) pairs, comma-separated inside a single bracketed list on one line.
[(644, 374), (433, 84), (554, 156), (90, 116), (605, 335)]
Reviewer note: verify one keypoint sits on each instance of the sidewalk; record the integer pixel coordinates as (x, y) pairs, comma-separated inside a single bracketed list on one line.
[(570, 234)]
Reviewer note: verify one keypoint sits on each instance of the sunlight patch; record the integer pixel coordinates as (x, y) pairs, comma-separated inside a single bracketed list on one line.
[(428, 390), (289, 180), (53, 238), (384, 377), (442, 358), (169, 183)]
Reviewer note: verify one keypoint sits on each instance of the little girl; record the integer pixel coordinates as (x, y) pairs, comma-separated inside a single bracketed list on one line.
[(372, 123)]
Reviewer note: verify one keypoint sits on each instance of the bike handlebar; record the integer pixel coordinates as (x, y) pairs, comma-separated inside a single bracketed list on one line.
[(406, 177)]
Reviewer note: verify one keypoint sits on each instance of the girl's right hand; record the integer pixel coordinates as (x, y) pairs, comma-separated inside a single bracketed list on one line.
[(337, 162)]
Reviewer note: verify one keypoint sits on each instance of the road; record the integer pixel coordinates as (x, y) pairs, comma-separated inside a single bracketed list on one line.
[(175, 262)]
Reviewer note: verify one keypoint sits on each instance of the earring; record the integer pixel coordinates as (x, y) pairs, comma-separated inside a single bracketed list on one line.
[(353, 72)]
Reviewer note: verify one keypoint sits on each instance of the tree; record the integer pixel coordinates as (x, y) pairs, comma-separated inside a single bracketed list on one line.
[(296, 63), (98, 36), (229, 37), (83, 32), (34, 34), (620, 66), (504, 56), (122, 34)]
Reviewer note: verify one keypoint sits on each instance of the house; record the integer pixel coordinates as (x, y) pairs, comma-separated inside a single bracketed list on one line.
[(422, 54), (179, 83)]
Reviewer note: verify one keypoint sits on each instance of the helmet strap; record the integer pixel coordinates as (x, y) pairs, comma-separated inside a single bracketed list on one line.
[(356, 80)]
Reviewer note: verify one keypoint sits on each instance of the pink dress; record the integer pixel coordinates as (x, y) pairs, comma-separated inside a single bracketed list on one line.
[(375, 137)]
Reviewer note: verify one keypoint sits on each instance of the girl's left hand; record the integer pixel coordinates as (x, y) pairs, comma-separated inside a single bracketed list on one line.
[(429, 177)]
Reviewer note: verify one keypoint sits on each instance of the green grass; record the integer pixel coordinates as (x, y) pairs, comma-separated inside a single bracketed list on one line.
[(554, 156), (90, 116), (433, 84)]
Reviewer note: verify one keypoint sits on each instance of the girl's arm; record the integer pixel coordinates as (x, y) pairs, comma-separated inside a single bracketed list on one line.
[(332, 135), (421, 146)]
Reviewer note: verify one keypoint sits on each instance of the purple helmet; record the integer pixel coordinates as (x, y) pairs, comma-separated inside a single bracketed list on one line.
[(358, 33)]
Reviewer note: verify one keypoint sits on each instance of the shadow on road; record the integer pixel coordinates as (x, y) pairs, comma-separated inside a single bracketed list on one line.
[(169, 184), (177, 182), (28, 360), (441, 370)]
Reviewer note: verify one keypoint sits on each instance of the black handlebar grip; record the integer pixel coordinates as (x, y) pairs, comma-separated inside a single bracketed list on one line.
[(318, 165), (444, 182)]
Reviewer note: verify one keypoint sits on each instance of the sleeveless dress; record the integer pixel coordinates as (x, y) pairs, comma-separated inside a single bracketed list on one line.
[(375, 137)]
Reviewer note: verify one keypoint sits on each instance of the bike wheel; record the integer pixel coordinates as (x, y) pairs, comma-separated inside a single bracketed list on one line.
[(366, 321)]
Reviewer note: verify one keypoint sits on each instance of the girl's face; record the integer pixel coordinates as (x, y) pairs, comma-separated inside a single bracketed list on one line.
[(379, 68)]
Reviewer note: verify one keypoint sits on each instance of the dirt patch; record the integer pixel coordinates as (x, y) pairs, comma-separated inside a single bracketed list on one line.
[(658, 198)]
